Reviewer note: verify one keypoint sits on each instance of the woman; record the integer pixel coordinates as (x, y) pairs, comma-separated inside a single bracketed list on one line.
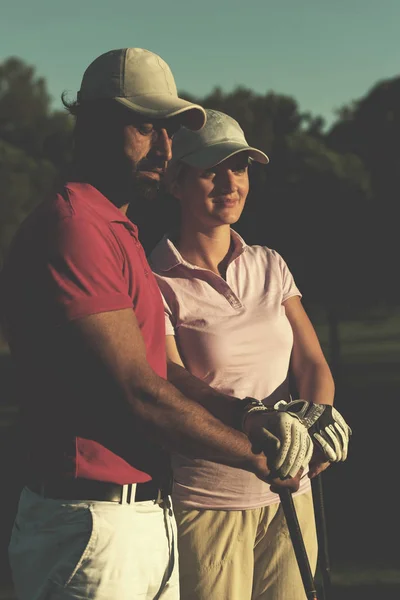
[(234, 320)]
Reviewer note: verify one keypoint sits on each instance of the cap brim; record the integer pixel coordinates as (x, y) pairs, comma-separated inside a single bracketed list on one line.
[(192, 115), (210, 156)]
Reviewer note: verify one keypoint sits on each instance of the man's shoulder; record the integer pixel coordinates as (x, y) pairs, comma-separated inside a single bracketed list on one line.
[(76, 200), (63, 217), (72, 207), (66, 201)]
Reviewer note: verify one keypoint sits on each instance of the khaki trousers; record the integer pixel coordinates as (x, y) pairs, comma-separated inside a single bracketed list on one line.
[(243, 554)]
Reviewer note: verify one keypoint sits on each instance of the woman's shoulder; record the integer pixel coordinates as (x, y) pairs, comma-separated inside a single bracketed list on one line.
[(163, 257), (258, 252)]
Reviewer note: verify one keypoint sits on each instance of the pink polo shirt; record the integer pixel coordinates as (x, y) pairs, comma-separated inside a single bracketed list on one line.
[(234, 335)]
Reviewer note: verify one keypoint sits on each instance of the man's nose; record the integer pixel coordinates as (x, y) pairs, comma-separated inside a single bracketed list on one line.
[(163, 145)]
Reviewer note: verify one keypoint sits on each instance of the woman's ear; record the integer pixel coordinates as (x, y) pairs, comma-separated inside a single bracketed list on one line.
[(174, 189), (172, 180)]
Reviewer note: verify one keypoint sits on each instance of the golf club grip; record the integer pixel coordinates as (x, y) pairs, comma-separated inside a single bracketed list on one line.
[(298, 543)]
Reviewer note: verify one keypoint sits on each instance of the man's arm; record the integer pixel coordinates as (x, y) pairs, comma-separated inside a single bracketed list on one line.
[(267, 431), (115, 341)]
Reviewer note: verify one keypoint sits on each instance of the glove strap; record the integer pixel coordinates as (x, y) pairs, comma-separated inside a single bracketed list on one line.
[(307, 412), (252, 405)]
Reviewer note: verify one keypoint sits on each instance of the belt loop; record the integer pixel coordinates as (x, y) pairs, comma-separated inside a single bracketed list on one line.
[(132, 494), (124, 494)]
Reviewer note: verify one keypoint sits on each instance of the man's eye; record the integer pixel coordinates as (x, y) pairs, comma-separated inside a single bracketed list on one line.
[(240, 170), (208, 174), (145, 129)]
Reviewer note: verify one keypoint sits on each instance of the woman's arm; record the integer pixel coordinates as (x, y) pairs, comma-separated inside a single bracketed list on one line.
[(311, 371)]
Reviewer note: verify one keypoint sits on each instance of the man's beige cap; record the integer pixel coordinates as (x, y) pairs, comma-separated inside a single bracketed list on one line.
[(142, 81), (220, 138)]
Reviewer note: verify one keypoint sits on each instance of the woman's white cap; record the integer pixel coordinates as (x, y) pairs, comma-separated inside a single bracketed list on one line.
[(220, 138)]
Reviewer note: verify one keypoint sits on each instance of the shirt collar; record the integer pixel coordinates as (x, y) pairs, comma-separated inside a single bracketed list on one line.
[(98, 202), (165, 255)]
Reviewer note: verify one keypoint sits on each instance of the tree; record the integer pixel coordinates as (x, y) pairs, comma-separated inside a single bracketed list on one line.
[(35, 144), (24, 181), (370, 128), (311, 202), (26, 120)]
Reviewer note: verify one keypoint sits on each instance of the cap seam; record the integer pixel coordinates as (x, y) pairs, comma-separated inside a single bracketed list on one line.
[(122, 70), (163, 72)]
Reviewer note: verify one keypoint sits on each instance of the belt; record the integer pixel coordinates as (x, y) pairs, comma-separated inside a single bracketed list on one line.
[(90, 489)]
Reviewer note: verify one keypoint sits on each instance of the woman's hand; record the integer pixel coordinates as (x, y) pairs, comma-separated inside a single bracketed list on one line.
[(318, 463)]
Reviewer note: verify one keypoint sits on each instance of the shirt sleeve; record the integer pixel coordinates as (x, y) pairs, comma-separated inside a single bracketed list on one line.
[(165, 292), (289, 287), (85, 268), (169, 327)]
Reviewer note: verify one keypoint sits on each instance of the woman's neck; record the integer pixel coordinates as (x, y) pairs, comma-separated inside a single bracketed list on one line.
[(209, 249)]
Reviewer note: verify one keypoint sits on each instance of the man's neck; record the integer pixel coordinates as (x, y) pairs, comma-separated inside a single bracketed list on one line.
[(116, 195)]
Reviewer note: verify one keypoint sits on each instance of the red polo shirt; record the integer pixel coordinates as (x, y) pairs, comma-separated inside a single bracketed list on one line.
[(74, 256)]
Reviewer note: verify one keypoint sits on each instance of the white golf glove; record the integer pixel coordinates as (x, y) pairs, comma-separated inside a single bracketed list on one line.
[(325, 424), (282, 436), (295, 449)]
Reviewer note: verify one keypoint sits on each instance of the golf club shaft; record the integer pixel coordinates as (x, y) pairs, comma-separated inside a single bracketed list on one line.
[(323, 550), (298, 543)]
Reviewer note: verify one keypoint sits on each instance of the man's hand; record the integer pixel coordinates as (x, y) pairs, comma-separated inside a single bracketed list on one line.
[(284, 440), (326, 426)]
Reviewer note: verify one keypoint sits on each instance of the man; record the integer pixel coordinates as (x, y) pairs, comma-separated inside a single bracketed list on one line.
[(85, 324)]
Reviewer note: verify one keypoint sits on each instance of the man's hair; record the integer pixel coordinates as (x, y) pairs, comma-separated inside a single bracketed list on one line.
[(72, 107), (88, 117)]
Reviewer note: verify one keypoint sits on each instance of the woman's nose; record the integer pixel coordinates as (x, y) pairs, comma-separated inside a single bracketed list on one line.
[(228, 181)]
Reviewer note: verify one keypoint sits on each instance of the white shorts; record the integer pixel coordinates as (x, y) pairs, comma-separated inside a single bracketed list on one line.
[(93, 550)]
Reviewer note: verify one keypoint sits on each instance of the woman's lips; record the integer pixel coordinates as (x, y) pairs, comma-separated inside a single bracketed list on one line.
[(227, 202)]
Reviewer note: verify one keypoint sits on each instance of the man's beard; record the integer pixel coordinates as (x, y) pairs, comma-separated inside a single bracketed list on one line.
[(144, 188)]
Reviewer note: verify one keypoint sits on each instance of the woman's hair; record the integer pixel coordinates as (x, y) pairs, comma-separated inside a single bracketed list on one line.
[(175, 174)]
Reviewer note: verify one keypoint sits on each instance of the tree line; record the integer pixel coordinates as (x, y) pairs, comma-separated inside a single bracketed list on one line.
[(327, 201)]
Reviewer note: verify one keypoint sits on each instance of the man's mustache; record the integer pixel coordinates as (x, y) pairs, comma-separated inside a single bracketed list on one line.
[(154, 164)]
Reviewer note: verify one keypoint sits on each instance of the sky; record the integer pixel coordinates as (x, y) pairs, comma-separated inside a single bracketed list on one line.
[(323, 53)]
